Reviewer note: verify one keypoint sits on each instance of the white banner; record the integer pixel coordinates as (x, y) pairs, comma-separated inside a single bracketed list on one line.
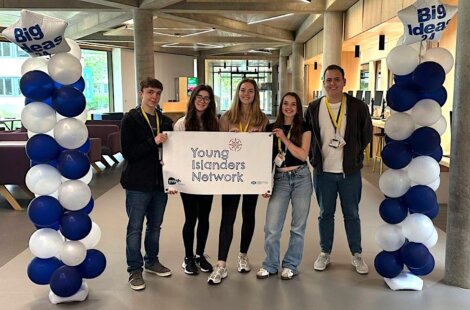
[(218, 162)]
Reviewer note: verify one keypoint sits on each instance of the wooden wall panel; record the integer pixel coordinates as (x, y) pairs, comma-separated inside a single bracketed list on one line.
[(390, 9), (353, 20), (352, 67), (372, 14)]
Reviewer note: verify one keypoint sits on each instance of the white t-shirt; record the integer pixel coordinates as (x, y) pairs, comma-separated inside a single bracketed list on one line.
[(332, 157), (179, 125)]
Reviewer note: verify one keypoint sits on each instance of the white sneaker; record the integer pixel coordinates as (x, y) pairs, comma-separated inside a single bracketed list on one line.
[(287, 274), (217, 275), (360, 264), (243, 263), (322, 261)]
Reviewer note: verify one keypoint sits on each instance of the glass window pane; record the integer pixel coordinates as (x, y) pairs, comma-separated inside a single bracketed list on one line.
[(95, 74)]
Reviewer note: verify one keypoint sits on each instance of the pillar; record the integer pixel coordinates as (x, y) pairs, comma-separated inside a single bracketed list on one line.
[(274, 89), (143, 46), (201, 69), (282, 77), (332, 39), (298, 69)]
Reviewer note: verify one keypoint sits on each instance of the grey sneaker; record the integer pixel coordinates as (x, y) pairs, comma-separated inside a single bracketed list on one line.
[(217, 275), (287, 274), (358, 262), (322, 261), (136, 281), (243, 263), (158, 269), (264, 274)]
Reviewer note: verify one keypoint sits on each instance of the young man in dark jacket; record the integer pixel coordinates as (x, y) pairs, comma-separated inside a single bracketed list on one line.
[(341, 129), (141, 140)]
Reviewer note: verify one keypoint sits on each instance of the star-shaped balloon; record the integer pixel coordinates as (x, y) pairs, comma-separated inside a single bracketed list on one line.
[(425, 20), (37, 34)]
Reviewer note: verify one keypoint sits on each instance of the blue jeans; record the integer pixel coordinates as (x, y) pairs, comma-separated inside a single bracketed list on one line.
[(294, 186), (140, 205), (349, 187)]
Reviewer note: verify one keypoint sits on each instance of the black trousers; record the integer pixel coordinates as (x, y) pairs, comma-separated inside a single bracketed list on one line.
[(229, 213), (196, 209)]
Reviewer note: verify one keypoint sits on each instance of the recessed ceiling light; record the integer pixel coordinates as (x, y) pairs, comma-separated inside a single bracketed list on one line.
[(268, 19)]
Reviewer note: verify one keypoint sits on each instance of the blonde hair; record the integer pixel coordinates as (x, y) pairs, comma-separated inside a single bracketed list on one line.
[(234, 114)]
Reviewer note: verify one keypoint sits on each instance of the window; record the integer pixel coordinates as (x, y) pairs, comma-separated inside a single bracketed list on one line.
[(96, 76)]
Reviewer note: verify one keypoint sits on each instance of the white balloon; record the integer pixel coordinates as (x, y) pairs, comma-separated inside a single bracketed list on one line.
[(34, 63), (45, 243), (81, 117), (431, 242), (394, 183), (402, 60), (43, 179), (435, 184), (440, 55), (53, 194), (70, 133), (86, 179), (440, 126), (399, 126), (74, 195), (92, 239), (74, 48), (426, 112), (38, 117), (417, 227), (423, 170), (73, 253), (64, 68), (389, 237)]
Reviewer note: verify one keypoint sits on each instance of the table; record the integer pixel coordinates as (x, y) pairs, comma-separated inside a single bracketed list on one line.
[(9, 122)]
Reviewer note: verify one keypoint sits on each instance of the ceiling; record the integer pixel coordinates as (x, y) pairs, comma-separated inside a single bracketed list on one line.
[(216, 29)]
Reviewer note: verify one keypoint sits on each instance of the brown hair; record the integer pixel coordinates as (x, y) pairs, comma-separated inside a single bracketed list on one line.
[(150, 83), (234, 113), (208, 117), (297, 123)]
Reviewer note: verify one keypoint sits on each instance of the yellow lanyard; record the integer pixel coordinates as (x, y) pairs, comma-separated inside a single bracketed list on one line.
[(246, 127), (279, 141), (339, 118), (148, 121)]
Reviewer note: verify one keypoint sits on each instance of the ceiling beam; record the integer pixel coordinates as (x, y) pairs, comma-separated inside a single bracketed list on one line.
[(234, 49), (118, 4), (230, 25), (282, 7), (156, 4), (96, 22), (311, 26), (126, 35), (52, 5)]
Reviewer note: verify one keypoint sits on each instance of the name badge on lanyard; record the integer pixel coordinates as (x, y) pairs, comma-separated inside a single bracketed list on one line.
[(337, 141), (281, 155)]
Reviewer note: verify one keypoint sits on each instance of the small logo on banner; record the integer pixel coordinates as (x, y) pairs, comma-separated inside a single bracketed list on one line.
[(235, 144), (173, 181)]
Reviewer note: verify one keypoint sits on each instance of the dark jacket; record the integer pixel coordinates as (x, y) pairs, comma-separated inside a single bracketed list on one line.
[(358, 134), (142, 170)]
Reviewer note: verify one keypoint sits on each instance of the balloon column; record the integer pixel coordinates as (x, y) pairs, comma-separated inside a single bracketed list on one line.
[(54, 116), (413, 150)]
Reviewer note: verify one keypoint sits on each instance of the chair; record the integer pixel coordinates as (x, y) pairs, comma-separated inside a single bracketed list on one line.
[(110, 136), (104, 122), (359, 94), (380, 136)]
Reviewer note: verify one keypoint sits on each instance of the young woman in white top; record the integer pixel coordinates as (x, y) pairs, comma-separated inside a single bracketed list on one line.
[(200, 116)]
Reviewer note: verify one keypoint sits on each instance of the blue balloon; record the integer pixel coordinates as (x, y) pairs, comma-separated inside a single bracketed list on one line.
[(429, 76), (437, 154), (431, 213), (415, 255), (73, 164), (78, 85), (425, 141), (89, 207), (439, 95), (42, 148), (397, 155), (403, 78), (52, 163), (66, 281), (75, 225), (55, 226), (85, 148), (388, 264), (403, 96), (40, 270), (420, 199), (45, 210), (47, 101), (93, 265), (393, 210), (68, 101), (36, 85), (426, 269)]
